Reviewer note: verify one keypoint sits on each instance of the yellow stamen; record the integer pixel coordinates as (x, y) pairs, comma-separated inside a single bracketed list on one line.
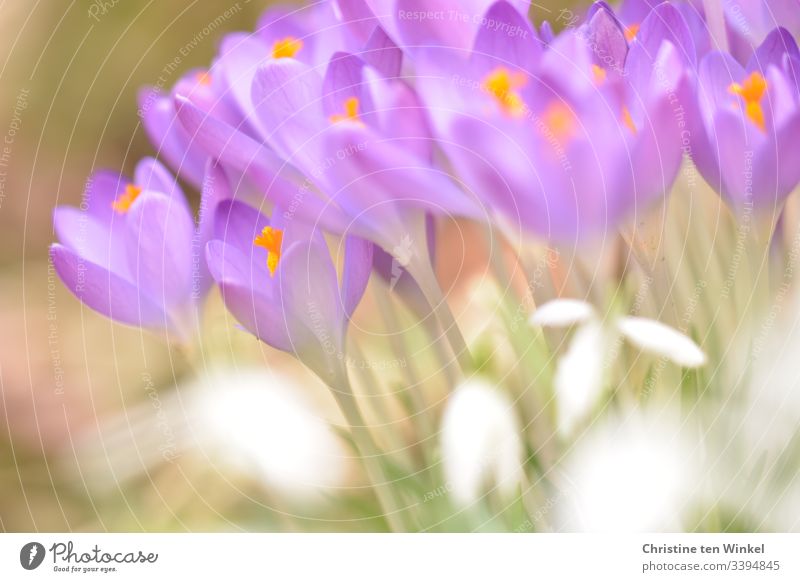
[(204, 78), (628, 120), (631, 31), (599, 74), (270, 239), (560, 121), (286, 47), (350, 111), (502, 85), (126, 198), (752, 90)]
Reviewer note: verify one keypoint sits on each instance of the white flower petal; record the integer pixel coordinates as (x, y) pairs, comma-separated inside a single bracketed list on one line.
[(258, 422), (562, 313), (632, 474), (480, 442), (662, 340), (579, 376)]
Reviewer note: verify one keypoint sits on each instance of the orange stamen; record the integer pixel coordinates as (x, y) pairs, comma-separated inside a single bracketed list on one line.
[(631, 31), (286, 47), (350, 111), (126, 198), (270, 239), (628, 120), (560, 120), (599, 74), (502, 84), (752, 90)]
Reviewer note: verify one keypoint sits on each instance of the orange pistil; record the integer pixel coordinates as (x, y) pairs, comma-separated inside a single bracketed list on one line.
[(286, 47), (126, 198), (270, 239), (752, 90), (631, 31), (502, 84)]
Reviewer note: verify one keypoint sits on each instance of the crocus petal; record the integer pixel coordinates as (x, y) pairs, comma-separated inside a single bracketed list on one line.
[(664, 24), (240, 57), (356, 271), (105, 292), (150, 174), (310, 301), (606, 34), (229, 145), (383, 54), (286, 96), (238, 224), (778, 43), (399, 115), (281, 181), (736, 140), (102, 188), (788, 163), (344, 79), (216, 189), (451, 23), (159, 237), (546, 32), (506, 38), (386, 173), (84, 234), (168, 136), (252, 305), (659, 339), (579, 375), (717, 71), (562, 313), (359, 17)]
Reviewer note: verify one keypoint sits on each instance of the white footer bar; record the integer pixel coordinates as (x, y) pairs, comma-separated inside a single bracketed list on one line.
[(403, 557)]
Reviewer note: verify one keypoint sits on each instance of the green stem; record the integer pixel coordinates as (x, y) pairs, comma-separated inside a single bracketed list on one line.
[(370, 454), (422, 271)]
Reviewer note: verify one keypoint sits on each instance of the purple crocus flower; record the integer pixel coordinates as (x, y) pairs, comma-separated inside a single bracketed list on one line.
[(633, 13), (744, 145), (350, 151), (558, 143), (749, 23), (279, 281), (223, 90), (171, 141), (424, 23), (132, 252)]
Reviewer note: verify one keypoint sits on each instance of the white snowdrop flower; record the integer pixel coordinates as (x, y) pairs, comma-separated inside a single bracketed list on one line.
[(481, 445), (630, 475), (254, 421), (579, 374), (562, 313), (258, 422), (659, 339)]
